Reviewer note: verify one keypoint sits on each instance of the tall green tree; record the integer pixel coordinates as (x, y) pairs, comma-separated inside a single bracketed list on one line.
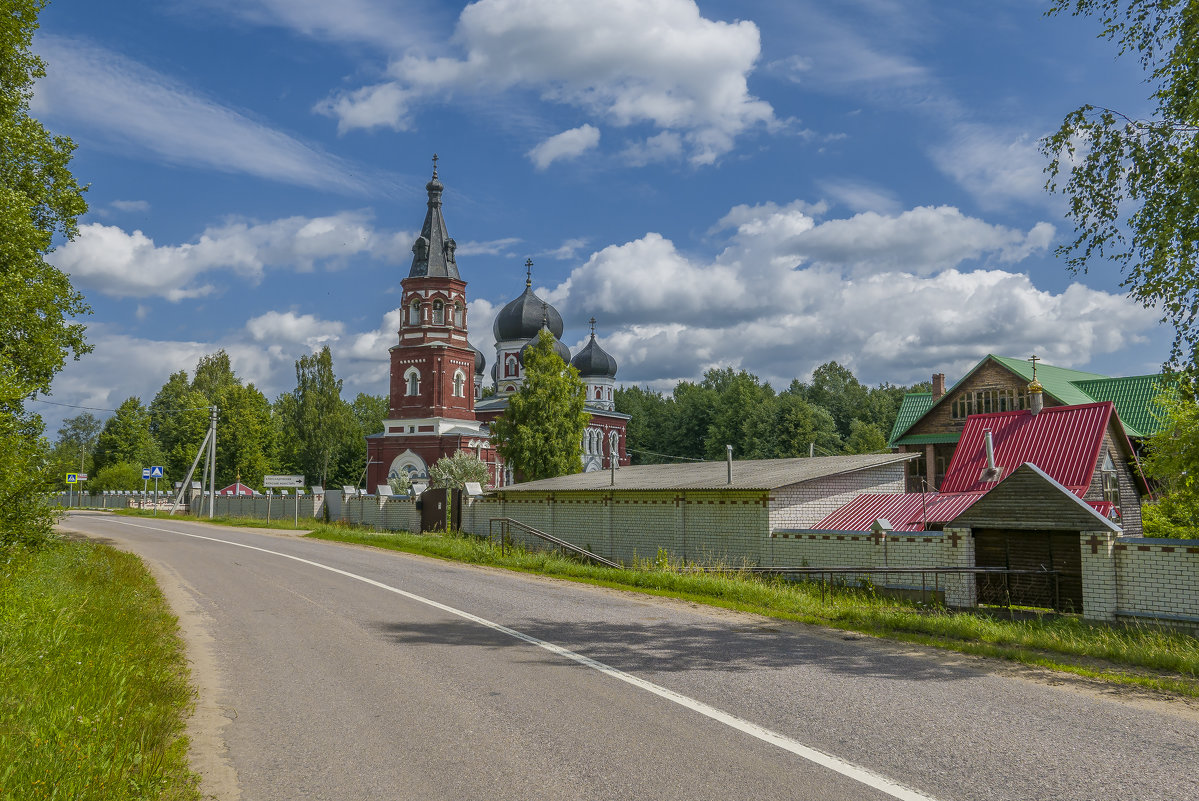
[(126, 437), (40, 203), (245, 435), (77, 438), (1133, 184), (315, 425), (540, 434), (179, 422)]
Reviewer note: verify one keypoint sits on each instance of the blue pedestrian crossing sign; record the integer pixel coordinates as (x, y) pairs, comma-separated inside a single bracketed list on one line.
[(155, 472), (72, 478), (145, 472)]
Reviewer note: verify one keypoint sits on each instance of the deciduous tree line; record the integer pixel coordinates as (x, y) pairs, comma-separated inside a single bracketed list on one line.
[(835, 413), (309, 431)]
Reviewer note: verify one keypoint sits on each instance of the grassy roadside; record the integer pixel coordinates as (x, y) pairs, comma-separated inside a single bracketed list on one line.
[(95, 685), (1142, 656)]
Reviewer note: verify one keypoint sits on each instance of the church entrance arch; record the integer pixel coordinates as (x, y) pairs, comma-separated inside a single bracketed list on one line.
[(408, 464)]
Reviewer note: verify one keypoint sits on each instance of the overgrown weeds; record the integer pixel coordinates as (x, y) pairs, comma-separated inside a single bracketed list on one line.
[(95, 682)]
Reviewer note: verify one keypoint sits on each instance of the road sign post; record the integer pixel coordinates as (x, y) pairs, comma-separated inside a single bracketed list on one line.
[(72, 478), (156, 473), (285, 481)]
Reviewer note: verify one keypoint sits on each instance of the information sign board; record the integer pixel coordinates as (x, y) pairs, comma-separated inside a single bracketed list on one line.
[(282, 481), (146, 473)]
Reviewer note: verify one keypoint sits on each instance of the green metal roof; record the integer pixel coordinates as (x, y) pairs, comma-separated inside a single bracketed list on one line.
[(926, 439), (1135, 399), (1057, 381), (914, 406)]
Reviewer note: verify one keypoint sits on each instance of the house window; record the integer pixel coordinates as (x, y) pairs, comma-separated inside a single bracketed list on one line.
[(414, 313), (459, 384), (438, 313), (988, 400), (413, 379), (1111, 481), (459, 315)]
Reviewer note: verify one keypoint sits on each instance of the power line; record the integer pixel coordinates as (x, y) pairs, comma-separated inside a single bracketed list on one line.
[(666, 455), (102, 409)]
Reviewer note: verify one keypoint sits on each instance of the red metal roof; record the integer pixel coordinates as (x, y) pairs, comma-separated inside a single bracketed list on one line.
[(1063, 441), (236, 489), (907, 511)]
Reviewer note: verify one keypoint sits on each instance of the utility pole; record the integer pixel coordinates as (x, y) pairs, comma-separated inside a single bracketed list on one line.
[(212, 460)]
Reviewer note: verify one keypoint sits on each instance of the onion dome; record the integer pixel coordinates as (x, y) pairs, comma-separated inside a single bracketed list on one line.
[(480, 359), (592, 361), (523, 317), (559, 348), (495, 373)]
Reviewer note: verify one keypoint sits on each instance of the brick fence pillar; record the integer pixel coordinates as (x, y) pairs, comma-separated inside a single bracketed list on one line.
[(1098, 575), (957, 549)]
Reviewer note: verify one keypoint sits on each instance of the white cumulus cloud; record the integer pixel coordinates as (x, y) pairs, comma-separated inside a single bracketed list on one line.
[(628, 62), (566, 145)]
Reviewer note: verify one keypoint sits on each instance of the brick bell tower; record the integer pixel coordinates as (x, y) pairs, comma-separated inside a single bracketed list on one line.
[(433, 366)]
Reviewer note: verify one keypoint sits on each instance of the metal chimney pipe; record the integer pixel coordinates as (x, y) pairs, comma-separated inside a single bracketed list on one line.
[(990, 451), (728, 454)]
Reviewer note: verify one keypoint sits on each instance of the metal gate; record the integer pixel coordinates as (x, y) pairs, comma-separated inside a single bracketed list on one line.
[(1012, 549), (441, 509)]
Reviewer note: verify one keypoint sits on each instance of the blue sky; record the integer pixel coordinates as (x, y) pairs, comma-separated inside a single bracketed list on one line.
[(758, 184)]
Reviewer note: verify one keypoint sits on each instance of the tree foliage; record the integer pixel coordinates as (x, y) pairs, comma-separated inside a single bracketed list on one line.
[(1172, 462), (39, 203), (1133, 184), (319, 436), (833, 414), (540, 434), (456, 470)]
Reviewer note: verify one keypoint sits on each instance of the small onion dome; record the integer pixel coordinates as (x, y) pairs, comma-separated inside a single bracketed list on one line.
[(559, 348), (593, 362), (495, 372), (480, 360), (1035, 386)]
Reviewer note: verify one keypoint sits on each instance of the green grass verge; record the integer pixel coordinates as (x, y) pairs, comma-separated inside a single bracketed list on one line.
[(1143, 656), (95, 684)]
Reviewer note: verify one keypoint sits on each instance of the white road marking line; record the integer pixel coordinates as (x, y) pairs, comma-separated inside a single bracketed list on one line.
[(836, 764)]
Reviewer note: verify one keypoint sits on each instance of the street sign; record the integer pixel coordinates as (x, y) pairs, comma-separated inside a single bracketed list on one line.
[(282, 481), (72, 478), (145, 472), (81, 476), (155, 472)]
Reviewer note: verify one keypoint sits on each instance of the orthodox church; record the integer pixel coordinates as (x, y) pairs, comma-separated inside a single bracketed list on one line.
[(437, 407)]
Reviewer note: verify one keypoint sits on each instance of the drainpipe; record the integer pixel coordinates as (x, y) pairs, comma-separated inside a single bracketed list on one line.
[(728, 455)]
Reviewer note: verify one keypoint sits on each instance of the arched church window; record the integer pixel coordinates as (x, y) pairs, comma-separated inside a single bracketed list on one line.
[(511, 366), (459, 315), (414, 313), (599, 393), (438, 313), (459, 384), (413, 378)]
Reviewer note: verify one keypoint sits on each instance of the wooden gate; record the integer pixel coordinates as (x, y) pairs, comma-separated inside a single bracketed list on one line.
[(441, 509), (1014, 549)]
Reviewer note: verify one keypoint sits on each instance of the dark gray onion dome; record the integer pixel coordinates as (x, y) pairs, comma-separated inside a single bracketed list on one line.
[(593, 362), (495, 373), (523, 317), (480, 359), (559, 348)]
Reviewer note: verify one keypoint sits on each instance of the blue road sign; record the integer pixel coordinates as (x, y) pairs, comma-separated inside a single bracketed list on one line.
[(145, 472), (155, 472)]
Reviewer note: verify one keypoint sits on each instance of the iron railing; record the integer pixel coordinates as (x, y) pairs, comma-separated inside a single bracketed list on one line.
[(507, 524)]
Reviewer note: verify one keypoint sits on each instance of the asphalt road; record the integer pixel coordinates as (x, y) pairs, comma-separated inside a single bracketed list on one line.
[(348, 673)]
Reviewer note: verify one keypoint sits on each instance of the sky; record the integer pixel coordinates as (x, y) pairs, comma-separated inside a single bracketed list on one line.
[(749, 183)]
